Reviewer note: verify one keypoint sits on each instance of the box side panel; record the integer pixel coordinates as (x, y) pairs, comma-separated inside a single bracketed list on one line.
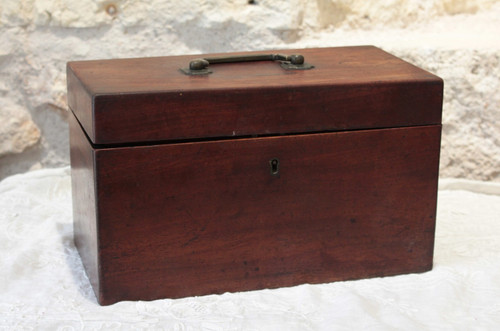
[(80, 101), (84, 203), (199, 218)]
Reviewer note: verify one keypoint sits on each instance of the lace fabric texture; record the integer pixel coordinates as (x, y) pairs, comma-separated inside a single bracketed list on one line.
[(43, 284)]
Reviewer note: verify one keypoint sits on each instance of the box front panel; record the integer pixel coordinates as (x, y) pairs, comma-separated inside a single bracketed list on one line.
[(231, 215)]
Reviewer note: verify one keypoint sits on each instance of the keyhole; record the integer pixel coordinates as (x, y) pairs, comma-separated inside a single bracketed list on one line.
[(274, 166)]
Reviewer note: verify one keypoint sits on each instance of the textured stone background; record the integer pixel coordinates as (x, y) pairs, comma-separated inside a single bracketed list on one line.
[(458, 40)]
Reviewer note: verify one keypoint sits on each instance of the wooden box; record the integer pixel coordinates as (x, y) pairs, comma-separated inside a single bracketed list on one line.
[(252, 175)]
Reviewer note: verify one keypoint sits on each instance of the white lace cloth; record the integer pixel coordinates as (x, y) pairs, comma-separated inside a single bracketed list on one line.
[(43, 285)]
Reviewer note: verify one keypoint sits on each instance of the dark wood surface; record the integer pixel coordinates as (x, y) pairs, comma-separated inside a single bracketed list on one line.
[(190, 219), (171, 219), (84, 201), (144, 100)]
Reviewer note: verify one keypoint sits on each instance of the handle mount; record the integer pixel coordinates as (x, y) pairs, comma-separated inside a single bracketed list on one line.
[(288, 62)]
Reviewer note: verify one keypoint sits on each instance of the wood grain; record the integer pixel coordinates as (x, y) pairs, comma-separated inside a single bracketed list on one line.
[(189, 219), (84, 201), (149, 99), (158, 215)]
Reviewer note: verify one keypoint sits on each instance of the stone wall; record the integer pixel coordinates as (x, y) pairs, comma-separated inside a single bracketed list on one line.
[(455, 39)]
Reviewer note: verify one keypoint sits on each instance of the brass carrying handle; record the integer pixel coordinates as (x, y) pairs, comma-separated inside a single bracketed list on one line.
[(200, 66)]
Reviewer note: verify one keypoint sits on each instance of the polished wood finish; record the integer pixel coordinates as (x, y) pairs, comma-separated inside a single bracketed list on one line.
[(199, 218), (175, 192), (83, 182), (139, 100)]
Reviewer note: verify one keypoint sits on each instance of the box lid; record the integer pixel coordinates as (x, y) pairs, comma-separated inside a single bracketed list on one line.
[(150, 99)]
